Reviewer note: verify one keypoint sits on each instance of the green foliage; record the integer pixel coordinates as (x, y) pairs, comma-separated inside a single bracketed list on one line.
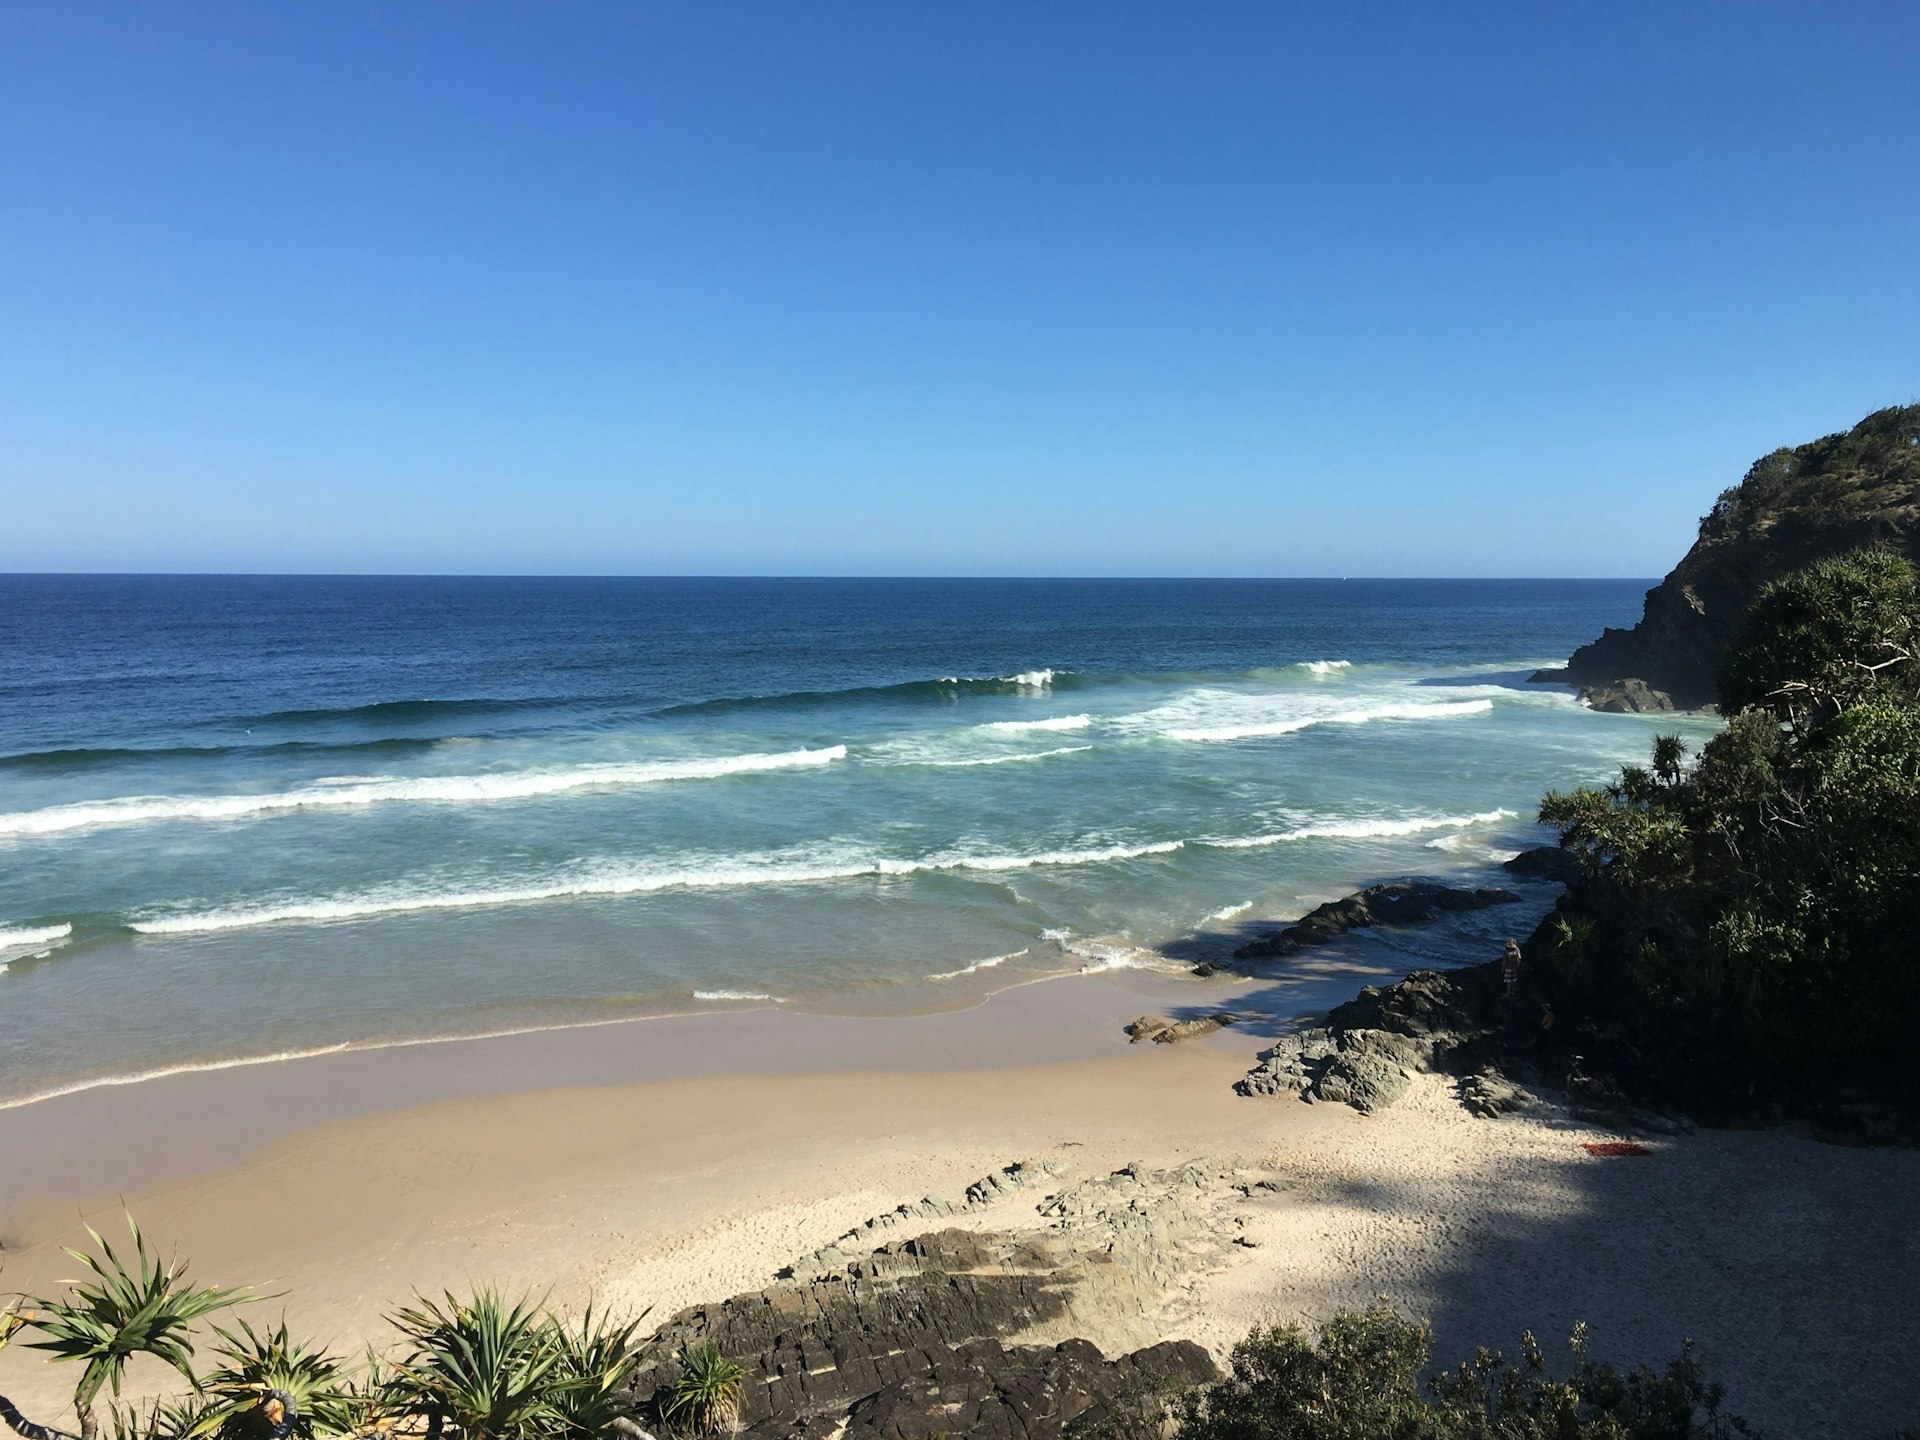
[(706, 1397), (1829, 637), (1749, 916), (261, 1367), (1871, 469), (487, 1367), (597, 1357), (1360, 1380), (127, 1307)]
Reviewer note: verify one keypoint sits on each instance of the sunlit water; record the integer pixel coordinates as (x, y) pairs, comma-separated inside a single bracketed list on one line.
[(250, 816)]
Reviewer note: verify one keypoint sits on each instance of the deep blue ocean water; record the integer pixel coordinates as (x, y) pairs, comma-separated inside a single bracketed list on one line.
[(250, 815)]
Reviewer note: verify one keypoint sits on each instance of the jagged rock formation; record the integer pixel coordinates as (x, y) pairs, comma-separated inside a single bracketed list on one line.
[(1453, 1022), (1396, 902), (1795, 506), (1626, 697), (969, 1333)]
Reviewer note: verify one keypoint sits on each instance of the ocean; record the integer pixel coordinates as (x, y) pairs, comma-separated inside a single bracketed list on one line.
[(252, 816)]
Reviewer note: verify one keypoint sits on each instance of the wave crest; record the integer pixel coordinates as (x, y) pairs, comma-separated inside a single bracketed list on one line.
[(439, 789)]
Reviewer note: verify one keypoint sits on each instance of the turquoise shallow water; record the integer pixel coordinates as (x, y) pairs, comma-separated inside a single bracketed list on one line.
[(245, 817)]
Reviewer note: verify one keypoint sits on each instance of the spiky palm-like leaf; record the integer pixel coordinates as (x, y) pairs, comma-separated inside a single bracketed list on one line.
[(490, 1368), (596, 1359), (707, 1394), (127, 1307), (180, 1419), (271, 1386)]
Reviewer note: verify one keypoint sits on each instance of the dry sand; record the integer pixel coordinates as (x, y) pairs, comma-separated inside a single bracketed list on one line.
[(662, 1163)]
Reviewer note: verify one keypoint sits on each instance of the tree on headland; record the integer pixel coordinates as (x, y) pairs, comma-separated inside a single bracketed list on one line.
[(1747, 919)]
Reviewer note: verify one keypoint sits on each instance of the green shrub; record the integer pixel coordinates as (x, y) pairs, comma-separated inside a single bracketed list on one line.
[(1360, 1379)]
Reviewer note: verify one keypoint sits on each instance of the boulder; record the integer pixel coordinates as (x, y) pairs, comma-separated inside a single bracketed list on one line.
[(1545, 862), (1627, 696), (1187, 1029)]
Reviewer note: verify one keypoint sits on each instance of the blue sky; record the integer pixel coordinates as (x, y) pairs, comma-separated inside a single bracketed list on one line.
[(884, 288)]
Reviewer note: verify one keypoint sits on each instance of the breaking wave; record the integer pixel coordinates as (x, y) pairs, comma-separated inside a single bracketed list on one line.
[(1058, 722), (1259, 729), (1004, 759), (748, 871), (442, 789), (26, 939)]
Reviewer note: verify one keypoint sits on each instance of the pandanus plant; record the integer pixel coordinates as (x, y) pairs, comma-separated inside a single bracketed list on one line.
[(124, 1307)]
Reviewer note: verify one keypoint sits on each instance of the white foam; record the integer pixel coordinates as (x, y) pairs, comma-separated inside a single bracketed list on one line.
[(27, 939), (1258, 729), (348, 792), (976, 966), (1366, 829), (1227, 912), (614, 883), (1004, 759), (1324, 668), (1101, 955), (741, 871), (1058, 722), (1031, 679), (733, 995)]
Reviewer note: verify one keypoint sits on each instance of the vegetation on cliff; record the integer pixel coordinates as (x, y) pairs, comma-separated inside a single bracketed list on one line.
[(1796, 505), (1744, 928)]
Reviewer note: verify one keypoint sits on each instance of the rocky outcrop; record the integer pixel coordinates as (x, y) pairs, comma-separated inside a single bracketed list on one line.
[(963, 1332), (1545, 862), (1626, 697), (1366, 1054), (1397, 902), (1794, 507)]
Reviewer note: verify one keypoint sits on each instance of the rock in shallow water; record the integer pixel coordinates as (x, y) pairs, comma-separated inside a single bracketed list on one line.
[(1396, 902)]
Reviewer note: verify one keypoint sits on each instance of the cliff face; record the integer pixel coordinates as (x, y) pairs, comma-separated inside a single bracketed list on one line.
[(1795, 505)]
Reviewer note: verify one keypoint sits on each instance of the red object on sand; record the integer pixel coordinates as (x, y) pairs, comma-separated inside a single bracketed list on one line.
[(1607, 1149)]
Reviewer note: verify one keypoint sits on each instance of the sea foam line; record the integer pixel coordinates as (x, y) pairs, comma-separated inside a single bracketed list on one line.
[(1259, 729), (15, 939), (987, 964), (1058, 722), (1004, 759), (752, 871), (516, 785)]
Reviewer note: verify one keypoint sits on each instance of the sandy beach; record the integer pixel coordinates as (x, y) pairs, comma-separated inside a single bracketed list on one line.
[(659, 1164)]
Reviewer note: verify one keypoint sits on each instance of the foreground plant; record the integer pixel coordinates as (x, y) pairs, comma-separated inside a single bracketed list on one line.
[(706, 1397), (127, 1307), (491, 1369), (272, 1387)]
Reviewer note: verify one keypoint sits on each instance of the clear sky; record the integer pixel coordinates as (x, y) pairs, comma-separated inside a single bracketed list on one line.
[(936, 288)]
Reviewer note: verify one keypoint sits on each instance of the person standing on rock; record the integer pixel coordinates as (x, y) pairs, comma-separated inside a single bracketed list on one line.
[(1510, 965)]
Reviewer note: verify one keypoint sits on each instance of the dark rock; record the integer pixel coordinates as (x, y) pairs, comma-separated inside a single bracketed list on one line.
[(1188, 1029), (1545, 862), (909, 1339), (1451, 1022), (1397, 902), (1205, 970), (1488, 1094), (1627, 696), (1146, 1027)]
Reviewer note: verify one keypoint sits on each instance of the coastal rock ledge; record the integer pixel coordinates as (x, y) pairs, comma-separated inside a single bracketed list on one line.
[(1394, 902), (1369, 1049)]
